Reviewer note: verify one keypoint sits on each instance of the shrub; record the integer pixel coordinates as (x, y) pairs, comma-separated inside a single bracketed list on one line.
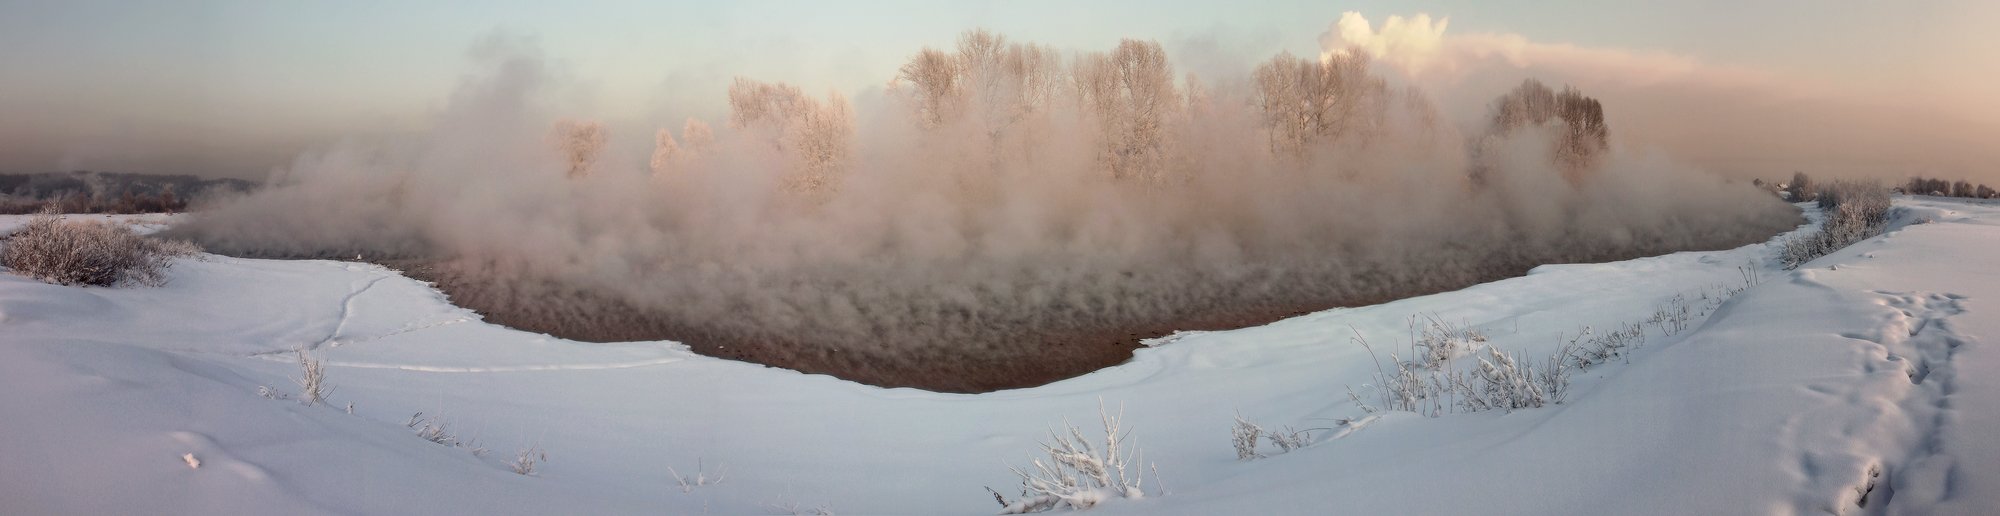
[(1502, 381), (1800, 188), (1499, 380), (525, 462), (699, 479), (1436, 342), (1854, 211), (1245, 434), (313, 388), (1077, 474), (89, 253), (1939, 187)]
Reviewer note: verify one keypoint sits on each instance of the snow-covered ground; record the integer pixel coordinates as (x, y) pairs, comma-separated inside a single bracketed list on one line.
[(1865, 366)]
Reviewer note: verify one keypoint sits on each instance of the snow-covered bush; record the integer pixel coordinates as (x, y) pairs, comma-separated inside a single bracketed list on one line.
[(1800, 188), (313, 388), (1505, 382), (1077, 474), (89, 253), (1499, 381), (432, 429), (699, 479), (525, 461), (1289, 439), (435, 430), (1673, 316), (1245, 434), (1854, 212), (1405, 385), (794, 508), (1436, 341), (1589, 348)]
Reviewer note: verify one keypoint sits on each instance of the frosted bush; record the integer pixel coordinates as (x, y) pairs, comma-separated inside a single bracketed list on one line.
[(1245, 435), (1436, 342), (1854, 211), (1505, 382), (94, 253), (1589, 348), (1077, 474), (313, 388), (433, 429), (700, 477), (525, 462)]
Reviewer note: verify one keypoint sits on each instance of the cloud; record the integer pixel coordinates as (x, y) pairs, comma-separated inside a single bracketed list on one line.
[(1419, 47), (1412, 43)]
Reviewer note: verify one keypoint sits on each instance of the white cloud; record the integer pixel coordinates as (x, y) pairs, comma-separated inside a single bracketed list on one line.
[(1412, 43), (1419, 47)]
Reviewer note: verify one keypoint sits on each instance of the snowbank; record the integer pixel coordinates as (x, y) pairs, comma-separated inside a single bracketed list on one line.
[(1794, 396)]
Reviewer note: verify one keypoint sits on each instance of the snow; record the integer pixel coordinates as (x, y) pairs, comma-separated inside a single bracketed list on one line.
[(1780, 399)]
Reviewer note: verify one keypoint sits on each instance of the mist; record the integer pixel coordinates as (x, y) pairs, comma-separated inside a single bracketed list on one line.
[(996, 205)]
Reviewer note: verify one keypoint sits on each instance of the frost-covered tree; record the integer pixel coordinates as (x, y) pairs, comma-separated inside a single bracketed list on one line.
[(580, 143), (677, 156), (1305, 100), (1582, 136), (933, 76), (665, 151), (815, 136), (988, 81), (699, 138), (1129, 95)]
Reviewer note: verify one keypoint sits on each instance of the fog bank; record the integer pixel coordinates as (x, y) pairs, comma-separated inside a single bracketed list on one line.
[(994, 198)]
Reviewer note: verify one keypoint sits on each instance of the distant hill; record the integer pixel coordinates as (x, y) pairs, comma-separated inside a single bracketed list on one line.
[(109, 192)]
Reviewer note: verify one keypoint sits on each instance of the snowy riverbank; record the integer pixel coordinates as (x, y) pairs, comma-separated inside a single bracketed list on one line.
[(1794, 396)]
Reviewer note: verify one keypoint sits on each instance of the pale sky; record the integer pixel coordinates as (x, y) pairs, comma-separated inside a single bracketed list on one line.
[(239, 87)]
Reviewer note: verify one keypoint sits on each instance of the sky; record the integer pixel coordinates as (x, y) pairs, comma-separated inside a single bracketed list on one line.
[(237, 88)]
